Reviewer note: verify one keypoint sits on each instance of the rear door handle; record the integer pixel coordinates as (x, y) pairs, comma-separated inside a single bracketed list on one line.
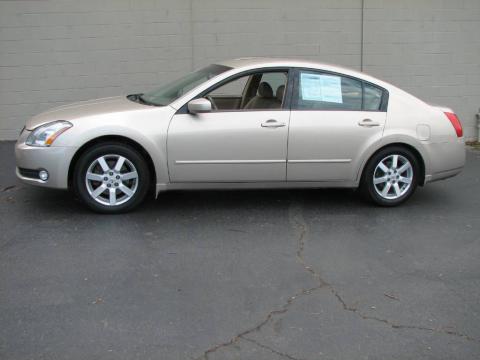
[(368, 123), (272, 123)]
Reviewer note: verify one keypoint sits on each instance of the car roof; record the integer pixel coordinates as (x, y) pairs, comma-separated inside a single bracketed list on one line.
[(270, 61), (248, 63)]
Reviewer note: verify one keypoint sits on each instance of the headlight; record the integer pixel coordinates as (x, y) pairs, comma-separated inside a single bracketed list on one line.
[(46, 134)]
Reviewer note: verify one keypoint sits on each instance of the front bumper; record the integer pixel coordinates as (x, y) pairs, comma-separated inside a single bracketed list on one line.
[(55, 160)]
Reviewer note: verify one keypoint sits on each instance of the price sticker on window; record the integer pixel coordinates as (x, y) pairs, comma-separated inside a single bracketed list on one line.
[(316, 87)]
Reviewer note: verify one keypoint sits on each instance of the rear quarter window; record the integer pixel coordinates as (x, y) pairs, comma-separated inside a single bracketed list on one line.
[(372, 97)]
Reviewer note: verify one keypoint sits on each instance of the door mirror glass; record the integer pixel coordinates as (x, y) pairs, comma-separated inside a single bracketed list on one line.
[(200, 105)]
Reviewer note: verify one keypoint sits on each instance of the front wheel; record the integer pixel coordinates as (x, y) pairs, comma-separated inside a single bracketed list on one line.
[(111, 178), (391, 176)]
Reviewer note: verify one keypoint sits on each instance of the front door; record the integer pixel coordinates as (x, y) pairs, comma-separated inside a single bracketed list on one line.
[(243, 138)]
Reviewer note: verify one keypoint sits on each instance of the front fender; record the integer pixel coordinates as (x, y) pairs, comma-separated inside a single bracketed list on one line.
[(149, 130)]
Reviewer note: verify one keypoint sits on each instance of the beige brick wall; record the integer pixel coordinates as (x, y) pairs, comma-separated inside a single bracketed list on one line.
[(59, 51), (428, 48)]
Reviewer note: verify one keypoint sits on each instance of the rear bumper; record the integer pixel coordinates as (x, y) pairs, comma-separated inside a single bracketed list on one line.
[(442, 175), (447, 159), (55, 160)]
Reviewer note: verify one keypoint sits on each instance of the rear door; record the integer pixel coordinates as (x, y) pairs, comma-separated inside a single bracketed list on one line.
[(334, 119)]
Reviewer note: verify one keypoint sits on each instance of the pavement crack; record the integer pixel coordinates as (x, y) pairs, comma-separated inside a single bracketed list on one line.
[(280, 311), (299, 224), (263, 346), (8, 188), (414, 327)]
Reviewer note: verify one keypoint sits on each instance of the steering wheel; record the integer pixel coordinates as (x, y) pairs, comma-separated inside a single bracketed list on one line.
[(209, 98)]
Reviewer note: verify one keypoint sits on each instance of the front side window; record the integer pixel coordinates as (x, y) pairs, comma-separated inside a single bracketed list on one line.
[(172, 91), (256, 91)]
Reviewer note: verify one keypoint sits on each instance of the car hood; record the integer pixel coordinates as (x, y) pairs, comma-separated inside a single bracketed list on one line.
[(84, 109)]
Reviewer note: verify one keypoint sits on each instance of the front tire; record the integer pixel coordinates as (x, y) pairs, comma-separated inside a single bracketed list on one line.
[(390, 176), (111, 178)]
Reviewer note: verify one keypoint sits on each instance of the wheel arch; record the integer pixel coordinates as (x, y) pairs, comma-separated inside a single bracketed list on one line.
[(115, 138), (413, 149)]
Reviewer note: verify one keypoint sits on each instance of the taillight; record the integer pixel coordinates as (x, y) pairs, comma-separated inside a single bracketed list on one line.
[(457, 125)]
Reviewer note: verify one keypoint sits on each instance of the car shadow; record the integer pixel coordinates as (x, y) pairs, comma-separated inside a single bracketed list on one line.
[(50, 201)]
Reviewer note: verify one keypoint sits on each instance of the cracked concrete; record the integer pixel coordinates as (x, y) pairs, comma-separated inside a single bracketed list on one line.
[(8, 188), (301, 228), (299, 222), (271, 315), (296, 275)]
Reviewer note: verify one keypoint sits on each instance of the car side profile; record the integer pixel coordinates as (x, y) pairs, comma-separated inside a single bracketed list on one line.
[(244, 123)]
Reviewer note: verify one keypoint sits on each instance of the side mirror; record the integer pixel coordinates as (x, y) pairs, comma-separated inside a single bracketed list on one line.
[(200, 105)]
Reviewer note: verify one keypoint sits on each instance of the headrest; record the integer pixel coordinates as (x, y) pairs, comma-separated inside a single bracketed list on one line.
[(280, 91), (265, 90)]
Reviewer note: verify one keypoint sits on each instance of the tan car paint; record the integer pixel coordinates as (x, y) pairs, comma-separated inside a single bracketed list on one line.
[(168, 139)]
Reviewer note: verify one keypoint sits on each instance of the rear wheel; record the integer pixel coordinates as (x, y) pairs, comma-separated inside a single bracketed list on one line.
[(111, 178), (391, 176)]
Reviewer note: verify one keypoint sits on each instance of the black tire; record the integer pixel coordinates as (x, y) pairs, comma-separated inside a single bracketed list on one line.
[(369, 189), (134, 159)]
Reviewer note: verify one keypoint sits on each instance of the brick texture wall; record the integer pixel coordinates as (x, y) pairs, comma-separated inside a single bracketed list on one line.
[(54, 52), (428, 48)]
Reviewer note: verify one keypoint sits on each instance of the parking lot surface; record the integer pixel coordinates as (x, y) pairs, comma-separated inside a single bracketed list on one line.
[(297, 274)]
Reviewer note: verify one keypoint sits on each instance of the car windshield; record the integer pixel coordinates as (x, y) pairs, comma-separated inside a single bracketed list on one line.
[(172, 91)]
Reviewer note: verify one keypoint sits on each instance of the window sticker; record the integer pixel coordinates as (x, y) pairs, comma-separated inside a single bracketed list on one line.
[(315, 87)]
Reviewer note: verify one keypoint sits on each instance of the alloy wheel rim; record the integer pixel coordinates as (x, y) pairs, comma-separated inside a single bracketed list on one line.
[(393, 177), (111, 180)]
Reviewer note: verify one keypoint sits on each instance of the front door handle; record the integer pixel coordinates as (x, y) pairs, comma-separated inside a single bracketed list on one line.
[(272, 124), (368, 123)]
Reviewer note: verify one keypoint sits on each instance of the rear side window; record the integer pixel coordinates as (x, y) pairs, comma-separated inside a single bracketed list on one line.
[(321, 91), (325, 91)]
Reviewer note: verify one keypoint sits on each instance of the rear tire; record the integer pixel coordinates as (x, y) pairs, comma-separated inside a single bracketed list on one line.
[(111, 178), (390, 176)]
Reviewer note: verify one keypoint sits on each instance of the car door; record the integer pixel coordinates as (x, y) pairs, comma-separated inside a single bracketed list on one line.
[(334, 119), (235, 142)]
